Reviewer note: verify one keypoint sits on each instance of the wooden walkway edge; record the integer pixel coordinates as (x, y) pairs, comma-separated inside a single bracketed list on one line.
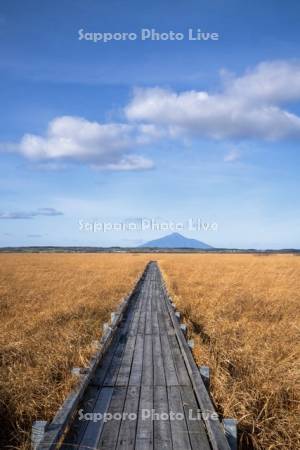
[(143, 390)]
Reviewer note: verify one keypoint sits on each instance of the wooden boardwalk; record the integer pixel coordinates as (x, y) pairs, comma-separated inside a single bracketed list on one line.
[(146, 371)]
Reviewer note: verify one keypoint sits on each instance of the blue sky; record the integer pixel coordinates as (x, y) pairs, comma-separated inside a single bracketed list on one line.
[(169, 130)]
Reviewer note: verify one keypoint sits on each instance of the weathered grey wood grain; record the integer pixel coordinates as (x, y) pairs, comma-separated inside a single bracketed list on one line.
[(110, 433), (144, 433), (159, 378), (181, 370), (113, 370), (180, 434), (149, 301), (195, 425), (103, 368), (125, 368), (155, 327), (162, 429), (78, 428), (93, 430), (170, 371), (127, 433), (147, 376), (137, 363)]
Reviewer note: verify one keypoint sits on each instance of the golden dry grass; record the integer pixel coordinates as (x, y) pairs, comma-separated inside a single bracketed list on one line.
[(52, 308), (244, 313)]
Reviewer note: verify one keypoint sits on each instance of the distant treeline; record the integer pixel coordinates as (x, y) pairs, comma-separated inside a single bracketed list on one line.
[(139, 250)]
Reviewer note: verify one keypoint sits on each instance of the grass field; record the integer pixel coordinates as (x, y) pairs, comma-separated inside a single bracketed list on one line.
[(243, 311), (52, 308)]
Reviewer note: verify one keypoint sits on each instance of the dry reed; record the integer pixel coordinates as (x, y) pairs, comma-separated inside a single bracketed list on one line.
[(244, 313), (52, 308)]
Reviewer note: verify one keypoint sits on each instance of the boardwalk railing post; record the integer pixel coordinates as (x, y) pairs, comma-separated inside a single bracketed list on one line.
[(230, 427), (114, 317), (106, 327), (37, 433), (191, 343), (183, 328), (77, 371), (96, 345), (177, 314), (205, 374)]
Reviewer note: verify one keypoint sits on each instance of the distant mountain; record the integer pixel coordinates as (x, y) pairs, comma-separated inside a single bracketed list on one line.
[(176, 240)]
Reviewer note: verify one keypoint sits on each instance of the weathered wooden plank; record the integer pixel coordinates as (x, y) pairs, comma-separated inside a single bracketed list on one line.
[(142, 321), (170, 371), (155, 326), (154, 311), (165, 323), (179, 430), (76, 432), (127, 434), (135, 320), (93, 431), (144, 433), (147, 376), (107, 372), (181, 370), (113, 370), (110, 433), (166, 316), (196, 429), (159, 378), (145, 300), (161, 323), (137, 311), (162, 429), (124, 371), (148, 325), (137, 363), (101, 371)]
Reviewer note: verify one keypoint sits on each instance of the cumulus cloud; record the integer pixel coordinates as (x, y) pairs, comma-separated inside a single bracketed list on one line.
[(249, 106), (105, 146), (77, 138), (252, 106), (272, 82), (16, 215)]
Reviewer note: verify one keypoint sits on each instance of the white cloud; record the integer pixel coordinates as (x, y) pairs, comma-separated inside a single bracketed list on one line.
[(273, 82), (248, 106), (251, 106), (105, 146), (129, 162), (233, 155), (16, 215)]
